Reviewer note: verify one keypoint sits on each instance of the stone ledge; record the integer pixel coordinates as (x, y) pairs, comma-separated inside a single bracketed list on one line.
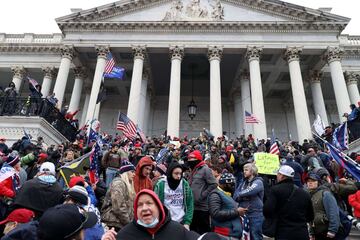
[(12, 128)]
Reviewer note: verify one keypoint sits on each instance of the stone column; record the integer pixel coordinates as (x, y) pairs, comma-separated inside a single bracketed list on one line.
[(135, 90), (49, 73), (333, 56), (147, 122), (143, 96), (303, 126), (97, 111), (257, 101), (19, 74), (317, 96), (352, 86), (77, 89), (214, 55), (238, 112), (102, 52), (173, 122), (67, 54), (85, 107), (246, 100)]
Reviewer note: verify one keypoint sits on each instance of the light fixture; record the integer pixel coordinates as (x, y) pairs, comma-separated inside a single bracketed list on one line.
[(192, 106)]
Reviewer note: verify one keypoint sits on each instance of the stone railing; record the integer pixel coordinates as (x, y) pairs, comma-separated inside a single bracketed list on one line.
[(349, 41), (41, 107), (55, 38)]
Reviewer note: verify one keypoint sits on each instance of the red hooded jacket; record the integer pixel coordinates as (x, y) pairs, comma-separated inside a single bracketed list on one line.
[(141, 182)]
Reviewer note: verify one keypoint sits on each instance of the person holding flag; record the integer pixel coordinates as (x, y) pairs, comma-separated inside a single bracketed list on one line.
[(35, 96)]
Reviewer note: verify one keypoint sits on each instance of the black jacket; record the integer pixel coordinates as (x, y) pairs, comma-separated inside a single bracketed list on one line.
[(168, 230), (293, 217)]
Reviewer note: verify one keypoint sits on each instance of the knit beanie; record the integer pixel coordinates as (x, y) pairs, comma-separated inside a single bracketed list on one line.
[(126, 166), (13, 158), (161, 168)]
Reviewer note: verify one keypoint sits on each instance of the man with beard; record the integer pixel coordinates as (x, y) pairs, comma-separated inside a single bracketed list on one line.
[(135, 157), (202, 182), (225, 215)]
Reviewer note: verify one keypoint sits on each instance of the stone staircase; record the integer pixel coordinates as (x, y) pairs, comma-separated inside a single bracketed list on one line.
[(354, 234)]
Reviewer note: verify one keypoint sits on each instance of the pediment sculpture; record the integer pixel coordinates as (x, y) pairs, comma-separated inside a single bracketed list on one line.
[(195, 11)]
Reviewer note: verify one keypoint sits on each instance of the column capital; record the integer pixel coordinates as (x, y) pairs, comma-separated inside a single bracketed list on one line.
[(49, 71), (292, 54), (215, 53), (176, 52), (80, 72), (67, 51), (253, 53), (139, 52), (18, 71), (315, 76), (102, 51), (351, 77), (244, 75), (334, 54)]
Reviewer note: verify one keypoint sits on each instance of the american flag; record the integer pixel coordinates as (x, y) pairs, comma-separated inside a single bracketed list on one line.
[(33, 82), (127, 126), (141, 134), (246, 227), (274, 149), (250, 118), (94, 157), (110, 63)]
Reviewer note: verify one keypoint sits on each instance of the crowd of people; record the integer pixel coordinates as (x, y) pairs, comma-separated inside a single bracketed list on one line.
[(161, 188)]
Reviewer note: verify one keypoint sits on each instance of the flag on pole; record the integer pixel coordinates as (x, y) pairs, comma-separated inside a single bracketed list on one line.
[(127, 126), (33, 83), (141, 134), (246, 227), (274, 149), (250, 118), (94, 157), (273, 137), (102, 93), (350, 165), (340, 137), (319, 126), (110, 63)]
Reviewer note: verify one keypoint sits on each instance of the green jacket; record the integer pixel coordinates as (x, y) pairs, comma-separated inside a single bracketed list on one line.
[(159, 189)]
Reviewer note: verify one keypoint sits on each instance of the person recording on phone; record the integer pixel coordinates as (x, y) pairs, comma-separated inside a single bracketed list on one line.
[(249, 194), (224, 211)]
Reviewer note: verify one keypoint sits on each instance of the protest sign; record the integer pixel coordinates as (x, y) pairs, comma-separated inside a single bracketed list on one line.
[(267, 163)]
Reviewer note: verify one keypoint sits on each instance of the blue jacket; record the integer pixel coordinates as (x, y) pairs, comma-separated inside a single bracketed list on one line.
[(298, 171), (250, 194), (332, 211)]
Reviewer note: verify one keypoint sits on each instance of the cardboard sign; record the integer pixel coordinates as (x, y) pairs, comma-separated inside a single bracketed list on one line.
[(267, 163)]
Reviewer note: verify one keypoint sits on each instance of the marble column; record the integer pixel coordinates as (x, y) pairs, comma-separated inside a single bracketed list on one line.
[(135, 89), (67, 54), (333, 56), (49, 73), (147, 122), (173, 122), (80, 76), (246, 100), (18, 76), (352, 86), (102, 52), (97, 111), (238, 112), (317, 96), (303, 126), (257, 101), (143, 96), (214, 55), (85, 107)]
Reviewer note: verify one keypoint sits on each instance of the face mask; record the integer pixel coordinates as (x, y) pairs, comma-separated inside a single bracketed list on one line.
[(150, 225), (192, 164), (229, 188)]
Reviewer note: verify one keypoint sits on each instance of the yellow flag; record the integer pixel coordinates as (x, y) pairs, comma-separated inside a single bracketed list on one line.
[(232, 159)]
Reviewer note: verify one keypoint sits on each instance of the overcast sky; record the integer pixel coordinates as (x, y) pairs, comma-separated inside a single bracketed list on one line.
[(38, 16)]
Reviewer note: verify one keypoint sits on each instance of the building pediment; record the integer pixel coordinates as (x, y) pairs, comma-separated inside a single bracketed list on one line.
[(130, 14)]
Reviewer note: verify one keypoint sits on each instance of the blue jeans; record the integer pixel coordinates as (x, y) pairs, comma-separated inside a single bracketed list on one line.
[(256, 227), (110, 175)]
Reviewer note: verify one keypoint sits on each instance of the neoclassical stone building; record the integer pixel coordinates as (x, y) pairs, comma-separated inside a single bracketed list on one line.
[(282, 62)]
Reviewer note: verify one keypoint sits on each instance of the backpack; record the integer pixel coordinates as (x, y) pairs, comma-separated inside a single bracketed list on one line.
[(345, 225)]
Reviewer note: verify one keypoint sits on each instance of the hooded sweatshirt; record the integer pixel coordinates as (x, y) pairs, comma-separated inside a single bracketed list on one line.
[(141, 182), (164, 230)]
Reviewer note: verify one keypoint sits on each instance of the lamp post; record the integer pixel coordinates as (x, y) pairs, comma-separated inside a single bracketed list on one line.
[(192, 106)]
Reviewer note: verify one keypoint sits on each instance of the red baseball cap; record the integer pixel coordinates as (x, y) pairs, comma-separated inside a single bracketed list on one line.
[(21, 215), (75, 180)]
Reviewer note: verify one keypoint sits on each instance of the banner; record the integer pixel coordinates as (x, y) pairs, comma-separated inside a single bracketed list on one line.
[(267, 163)]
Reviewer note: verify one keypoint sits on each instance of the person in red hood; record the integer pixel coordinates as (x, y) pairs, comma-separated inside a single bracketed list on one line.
[(142, 174), (152, 221)]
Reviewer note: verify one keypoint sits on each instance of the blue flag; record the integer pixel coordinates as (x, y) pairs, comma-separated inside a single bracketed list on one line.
[(350, 166), (116, 72), (340, 137)]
